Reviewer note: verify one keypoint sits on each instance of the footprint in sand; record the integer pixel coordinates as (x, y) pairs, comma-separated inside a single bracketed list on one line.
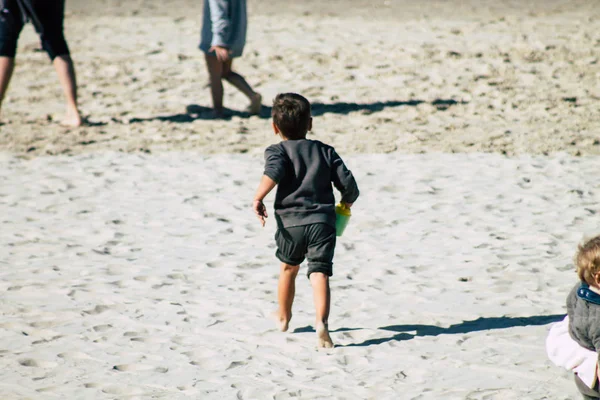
[(30, 362), (74, 355), (139, 367), (97, 310), (102, 328)]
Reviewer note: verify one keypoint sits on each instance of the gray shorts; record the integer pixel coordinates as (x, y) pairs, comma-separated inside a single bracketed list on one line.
[(316, 242)]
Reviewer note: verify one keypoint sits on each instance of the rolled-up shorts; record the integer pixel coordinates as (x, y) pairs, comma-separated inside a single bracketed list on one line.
[(314, 242), (47, 17)]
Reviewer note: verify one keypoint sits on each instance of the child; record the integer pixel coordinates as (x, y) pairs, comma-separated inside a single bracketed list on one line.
[(303, 170), (583, 307), (223, 38)]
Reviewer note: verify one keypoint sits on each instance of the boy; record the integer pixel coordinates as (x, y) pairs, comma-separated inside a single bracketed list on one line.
[(303, 170), (583, 307)]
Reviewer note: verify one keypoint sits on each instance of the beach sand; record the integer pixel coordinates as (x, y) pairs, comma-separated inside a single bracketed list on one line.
[(131, 265), (133, 276)]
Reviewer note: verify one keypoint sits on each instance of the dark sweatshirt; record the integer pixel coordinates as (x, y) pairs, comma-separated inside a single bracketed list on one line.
[(304, 171)]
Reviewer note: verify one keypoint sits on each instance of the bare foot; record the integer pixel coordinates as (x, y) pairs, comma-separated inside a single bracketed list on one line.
[(282, 323), (72, 119), (323, 338), (255, 104)]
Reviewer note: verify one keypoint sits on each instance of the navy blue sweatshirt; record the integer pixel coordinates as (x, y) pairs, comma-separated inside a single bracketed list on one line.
[(304, 171)]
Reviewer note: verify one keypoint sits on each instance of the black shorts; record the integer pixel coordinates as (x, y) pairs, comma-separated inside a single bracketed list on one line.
[(47, 16), (316, 242)]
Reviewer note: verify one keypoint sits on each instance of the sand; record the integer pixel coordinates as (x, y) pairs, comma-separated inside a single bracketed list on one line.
[(132, 276), (131, 265)]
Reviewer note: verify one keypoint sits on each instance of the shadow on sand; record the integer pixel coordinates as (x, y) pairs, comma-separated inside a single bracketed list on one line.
[(480, 324), (196, 112)]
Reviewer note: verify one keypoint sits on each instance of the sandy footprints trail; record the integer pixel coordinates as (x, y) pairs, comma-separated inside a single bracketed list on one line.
[(137, 276)]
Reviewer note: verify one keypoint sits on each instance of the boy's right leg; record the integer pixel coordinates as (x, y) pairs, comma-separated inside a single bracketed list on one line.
[(322, 299), (286, 290)]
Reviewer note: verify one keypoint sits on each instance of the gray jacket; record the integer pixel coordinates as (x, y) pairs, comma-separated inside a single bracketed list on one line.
[(224, 24), (583, 307), (305, 171)]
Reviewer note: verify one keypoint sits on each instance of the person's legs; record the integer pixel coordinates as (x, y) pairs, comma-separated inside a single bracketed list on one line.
[(49, 15), (322, 299), (240, 83), (215, 71), (286, 291), (66, 75), (7, 66)]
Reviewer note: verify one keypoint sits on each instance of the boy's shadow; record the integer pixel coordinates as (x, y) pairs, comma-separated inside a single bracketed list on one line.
[(480, 324), (196, 112)]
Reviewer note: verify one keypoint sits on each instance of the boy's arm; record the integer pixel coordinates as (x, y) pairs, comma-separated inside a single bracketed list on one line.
[(264, 187), (274, 172), (343, 180)]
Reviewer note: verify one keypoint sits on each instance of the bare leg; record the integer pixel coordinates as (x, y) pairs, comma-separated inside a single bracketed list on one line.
[(7, 66), (286, 291), (322, 299), (240, 83), (215, 71), (66, 75)]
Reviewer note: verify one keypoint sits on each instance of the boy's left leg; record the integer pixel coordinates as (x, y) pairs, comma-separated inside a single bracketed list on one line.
[(286, 290)]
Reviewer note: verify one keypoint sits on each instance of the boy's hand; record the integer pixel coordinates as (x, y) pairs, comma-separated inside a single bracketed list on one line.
[(260, 210), (348, 205)]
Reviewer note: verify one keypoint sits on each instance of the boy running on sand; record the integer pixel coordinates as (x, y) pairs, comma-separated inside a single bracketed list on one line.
[(303, 171)]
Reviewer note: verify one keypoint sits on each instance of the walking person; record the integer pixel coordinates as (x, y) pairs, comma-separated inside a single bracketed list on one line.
[(223, 39)]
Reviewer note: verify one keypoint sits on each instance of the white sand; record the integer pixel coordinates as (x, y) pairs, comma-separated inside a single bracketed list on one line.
[(148, 276), (131, 266)]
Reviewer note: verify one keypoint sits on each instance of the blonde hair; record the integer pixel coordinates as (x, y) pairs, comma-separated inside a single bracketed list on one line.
[(587, 260)]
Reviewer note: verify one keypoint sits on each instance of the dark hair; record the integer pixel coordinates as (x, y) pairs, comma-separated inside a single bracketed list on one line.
[(291, 114)]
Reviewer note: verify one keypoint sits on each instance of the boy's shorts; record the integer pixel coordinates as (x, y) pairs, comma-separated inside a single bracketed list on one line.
[(316, 242)]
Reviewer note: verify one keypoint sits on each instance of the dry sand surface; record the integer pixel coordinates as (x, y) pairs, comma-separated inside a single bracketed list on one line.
[(385, 76), (131, 266), (146, 276)]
